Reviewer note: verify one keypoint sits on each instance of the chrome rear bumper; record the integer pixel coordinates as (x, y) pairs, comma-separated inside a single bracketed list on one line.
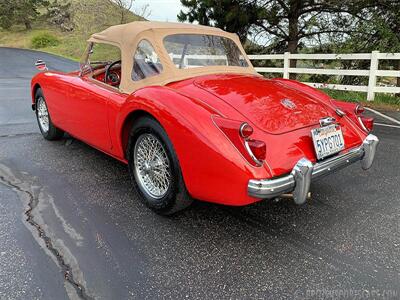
[(298, 181)]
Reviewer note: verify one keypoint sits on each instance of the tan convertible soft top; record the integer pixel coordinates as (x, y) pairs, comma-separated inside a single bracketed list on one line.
[(128, 36)]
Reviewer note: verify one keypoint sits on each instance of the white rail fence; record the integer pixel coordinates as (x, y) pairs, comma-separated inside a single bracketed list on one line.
[(372, 73), (193, 60)]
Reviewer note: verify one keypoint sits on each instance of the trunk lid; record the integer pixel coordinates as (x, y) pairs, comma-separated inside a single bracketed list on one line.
[(269, 105)]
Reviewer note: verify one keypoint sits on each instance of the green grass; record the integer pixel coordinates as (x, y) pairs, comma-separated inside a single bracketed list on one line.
[(382, 101), (71, 45), (89, 16)]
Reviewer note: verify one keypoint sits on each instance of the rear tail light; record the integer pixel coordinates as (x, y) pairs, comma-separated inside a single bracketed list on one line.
[(359, 110), (366, 123), (245, 130), (239, 134), (257, 149)]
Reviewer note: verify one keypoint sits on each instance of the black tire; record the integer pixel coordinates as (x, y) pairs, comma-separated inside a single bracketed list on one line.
[(176, 197), (51, 133)]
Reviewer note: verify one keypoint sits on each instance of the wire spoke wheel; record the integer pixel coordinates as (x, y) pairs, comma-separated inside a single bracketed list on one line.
[(42, 114), (152, 166)]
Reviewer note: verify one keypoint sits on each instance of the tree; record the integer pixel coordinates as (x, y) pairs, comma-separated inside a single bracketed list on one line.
[(379, 29), (19, 12), (59, 14), (320, 25), (6, 13), (144, 11), (283, 22), (124, 7), (231, 15)]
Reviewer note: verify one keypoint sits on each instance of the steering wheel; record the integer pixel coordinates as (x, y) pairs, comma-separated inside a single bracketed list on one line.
[(112, 78)]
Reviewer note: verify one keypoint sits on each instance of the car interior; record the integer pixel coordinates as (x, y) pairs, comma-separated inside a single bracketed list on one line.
[(102, 62), (109, 73), (107, 66)]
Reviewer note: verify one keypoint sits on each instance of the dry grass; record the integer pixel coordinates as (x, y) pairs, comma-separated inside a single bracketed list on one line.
[(89, 16)]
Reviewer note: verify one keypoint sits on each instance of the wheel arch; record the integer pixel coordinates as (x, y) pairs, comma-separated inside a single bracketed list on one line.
[(127, 125), (163, 104), (35, 88)]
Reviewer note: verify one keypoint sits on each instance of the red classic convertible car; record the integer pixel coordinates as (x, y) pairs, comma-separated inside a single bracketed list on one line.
[(184, 108)]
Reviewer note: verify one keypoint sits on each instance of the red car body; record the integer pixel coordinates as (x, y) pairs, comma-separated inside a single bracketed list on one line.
[(203, 116), (213, 169)]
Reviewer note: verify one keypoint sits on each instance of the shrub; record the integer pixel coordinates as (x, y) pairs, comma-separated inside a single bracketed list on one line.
[(5, 22), (43, 40), (60, 14)]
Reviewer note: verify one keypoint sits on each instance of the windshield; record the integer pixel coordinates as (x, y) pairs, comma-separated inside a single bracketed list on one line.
[(196, 50)]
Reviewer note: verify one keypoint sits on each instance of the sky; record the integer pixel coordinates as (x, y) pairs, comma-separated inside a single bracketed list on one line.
[(161, 10)]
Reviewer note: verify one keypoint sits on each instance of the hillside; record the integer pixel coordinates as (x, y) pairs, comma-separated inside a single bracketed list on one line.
[(87, 16)]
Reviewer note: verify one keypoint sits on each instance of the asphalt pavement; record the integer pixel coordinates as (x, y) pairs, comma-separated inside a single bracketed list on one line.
[(71, 225)]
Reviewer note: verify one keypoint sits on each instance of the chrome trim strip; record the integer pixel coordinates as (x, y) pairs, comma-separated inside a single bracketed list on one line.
[(362, 125), (340, 112), (253, 157), (241, 128), (298, 181), (357, 107)]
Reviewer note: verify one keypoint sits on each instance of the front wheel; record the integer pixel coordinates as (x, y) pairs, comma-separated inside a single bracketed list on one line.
[(48, 130), (154, 168)]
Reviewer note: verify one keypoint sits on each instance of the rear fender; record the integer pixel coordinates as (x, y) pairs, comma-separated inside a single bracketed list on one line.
[(357, 118), (347, 107), (212, 168)]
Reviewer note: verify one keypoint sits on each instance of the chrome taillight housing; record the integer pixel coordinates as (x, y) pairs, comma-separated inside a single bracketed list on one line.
[(239, 134), (366, 123), (245, 130), (257, 150), (359, 110)]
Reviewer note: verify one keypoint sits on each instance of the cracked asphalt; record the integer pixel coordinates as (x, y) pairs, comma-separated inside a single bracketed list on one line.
[(72, 227)]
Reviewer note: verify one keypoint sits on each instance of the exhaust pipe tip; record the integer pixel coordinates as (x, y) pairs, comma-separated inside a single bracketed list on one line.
[(291, 197)]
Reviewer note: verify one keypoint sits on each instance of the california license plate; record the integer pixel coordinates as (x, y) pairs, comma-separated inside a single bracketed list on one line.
[(327, 140)]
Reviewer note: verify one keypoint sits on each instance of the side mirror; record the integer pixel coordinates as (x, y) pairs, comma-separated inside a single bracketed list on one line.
[(41, 65)]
